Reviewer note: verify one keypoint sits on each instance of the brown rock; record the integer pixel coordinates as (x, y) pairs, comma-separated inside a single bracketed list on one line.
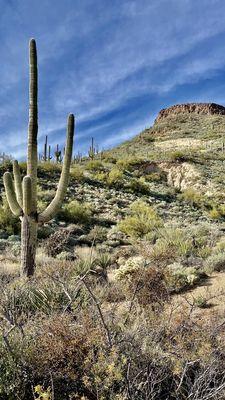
[(196, 108)]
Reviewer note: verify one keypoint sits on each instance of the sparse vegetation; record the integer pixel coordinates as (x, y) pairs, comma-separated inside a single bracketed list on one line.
[(116, 308)]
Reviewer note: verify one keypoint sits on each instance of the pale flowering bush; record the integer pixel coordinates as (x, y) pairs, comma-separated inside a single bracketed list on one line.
[(131, 266)]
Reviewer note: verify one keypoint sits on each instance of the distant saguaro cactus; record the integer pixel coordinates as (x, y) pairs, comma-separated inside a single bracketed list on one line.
[(49, 153), (58, 154), (45, 149), (22, 196), (92, 151)]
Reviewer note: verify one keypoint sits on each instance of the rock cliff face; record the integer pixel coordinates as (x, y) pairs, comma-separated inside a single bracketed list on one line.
[(196, 108)]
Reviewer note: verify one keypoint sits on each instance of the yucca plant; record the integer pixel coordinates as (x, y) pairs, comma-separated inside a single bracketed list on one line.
[(22, 196)]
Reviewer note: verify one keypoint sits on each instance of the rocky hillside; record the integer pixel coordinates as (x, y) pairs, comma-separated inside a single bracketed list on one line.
[(128, 297)]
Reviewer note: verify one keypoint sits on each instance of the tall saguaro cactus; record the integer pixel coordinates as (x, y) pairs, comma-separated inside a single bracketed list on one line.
[(22, 195)]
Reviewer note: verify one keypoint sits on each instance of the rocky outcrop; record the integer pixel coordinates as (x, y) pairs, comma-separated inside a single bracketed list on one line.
[(182, 176), (196, 108)]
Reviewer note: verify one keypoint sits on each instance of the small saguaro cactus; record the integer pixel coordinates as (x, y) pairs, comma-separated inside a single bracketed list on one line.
[(22, 196), (92, 151), (58, 154), (49, 153)]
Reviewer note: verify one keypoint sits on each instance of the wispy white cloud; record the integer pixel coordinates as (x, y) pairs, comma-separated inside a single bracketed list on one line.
[(96, 57)]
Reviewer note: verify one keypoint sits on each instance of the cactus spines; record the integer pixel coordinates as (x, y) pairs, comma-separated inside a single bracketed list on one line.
[(22, 197)]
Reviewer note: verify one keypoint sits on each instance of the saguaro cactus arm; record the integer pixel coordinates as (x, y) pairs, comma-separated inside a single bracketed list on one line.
[(18, 182), (27, 195), (11, 194), (56, 203)]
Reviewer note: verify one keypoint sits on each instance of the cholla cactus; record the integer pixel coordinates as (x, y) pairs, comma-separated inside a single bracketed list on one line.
[(22, 196)]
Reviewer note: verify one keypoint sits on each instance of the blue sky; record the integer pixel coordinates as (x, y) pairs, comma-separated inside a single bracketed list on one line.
[(114, 64)]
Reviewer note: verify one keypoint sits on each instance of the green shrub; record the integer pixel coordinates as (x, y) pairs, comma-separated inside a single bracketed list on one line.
[(98, 234), (94, 165), (215, 262), (115, 177), (101, 176), (49, 167), (179, 278), (76, 212), (156, 177), (131, 266), (143, 220), (127, 163), (201, 302), (8, 222), (177, 239), (192, 197), (77, 173), (137, 186), (177, 156)]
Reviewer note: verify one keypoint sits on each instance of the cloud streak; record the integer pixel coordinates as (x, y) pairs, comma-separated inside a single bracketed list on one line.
[(114, 64)]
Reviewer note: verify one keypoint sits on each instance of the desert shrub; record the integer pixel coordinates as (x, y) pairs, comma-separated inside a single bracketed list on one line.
[(178, 156), (94, 165), (109, 159), (44, 231), (75, 353), (57, 242), (76, 212), (65, 255), (177, 239), (215, 262), (160, 254), (143, 219), (23, 166), (8, 222), (137, 185), (127, 163), (131, 266), (192, 197), (149, 285), (217, 212), (165, 245), (179, 278), (146, 282), (101, 176), (98, 234), (115, 177), (22, 299), (49, 167), (77, 173), (45, 195), (201, 302), (156, 177), (41, 205)]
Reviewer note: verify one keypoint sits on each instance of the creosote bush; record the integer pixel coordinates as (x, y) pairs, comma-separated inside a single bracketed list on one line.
[(143, 219), (94, 165), (76, 212)]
